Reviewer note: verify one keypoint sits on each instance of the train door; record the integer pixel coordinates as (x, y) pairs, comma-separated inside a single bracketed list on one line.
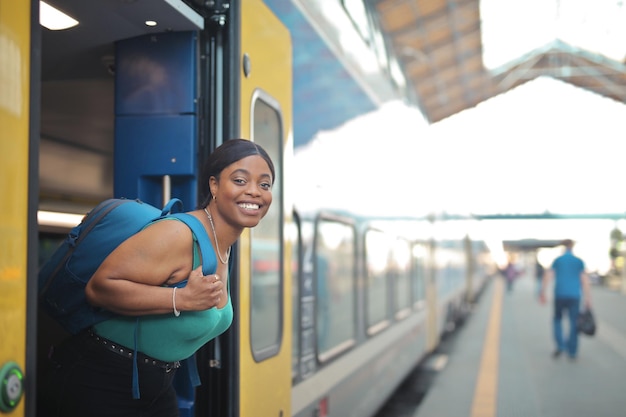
[(432, 298), (264, 309), (18, 199)]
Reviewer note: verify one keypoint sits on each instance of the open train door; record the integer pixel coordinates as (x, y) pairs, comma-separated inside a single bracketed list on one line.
[(432, 302), (246, 371), (264, 308)]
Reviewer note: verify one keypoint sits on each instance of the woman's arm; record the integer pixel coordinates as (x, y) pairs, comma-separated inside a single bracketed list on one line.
[(130, 280)]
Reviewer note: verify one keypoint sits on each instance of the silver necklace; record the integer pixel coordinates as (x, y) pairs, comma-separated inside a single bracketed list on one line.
[(217, 245)]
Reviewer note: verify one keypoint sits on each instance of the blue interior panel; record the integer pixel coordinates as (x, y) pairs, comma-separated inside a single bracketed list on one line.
[(156, 74), (149, 147)]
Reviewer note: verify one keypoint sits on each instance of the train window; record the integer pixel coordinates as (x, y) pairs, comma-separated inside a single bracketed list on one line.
[(450, 266), (418, 273), (334, 270), (358, 14), (377, 249), (266, 244), (399, 268), (369, 29)]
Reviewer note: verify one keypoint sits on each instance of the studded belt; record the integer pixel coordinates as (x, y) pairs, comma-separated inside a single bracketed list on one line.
[(128, 353)]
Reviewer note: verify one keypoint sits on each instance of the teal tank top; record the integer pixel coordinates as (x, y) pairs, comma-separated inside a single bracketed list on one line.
[(165, 336)]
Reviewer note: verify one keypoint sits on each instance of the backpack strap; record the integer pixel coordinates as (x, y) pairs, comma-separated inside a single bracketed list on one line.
[(175, 205), (208, 259), (206, 248), (135, 386)]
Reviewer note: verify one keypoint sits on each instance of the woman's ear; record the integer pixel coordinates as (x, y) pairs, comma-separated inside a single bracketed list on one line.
[(213, 186)]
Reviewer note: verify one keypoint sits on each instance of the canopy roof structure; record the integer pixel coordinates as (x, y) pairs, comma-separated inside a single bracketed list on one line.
[(443, 56), (441, 47)]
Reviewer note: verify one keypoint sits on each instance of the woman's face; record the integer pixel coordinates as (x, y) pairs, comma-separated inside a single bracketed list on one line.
[(244, 192)]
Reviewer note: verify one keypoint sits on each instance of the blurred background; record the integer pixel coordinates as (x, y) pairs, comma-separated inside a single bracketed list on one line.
[(542, 149)]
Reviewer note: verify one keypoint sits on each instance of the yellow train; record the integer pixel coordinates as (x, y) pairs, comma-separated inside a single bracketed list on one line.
[(331, 310)]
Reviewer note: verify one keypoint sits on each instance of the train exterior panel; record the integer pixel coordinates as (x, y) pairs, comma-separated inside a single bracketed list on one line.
[(264, 353), (363, 309), (15, 166)]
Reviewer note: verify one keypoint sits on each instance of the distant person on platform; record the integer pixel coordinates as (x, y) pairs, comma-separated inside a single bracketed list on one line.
[(511, 272), (571, 282), (539, 272)]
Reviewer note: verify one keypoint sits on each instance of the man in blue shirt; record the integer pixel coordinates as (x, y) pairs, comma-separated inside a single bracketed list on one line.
[(571, 282)]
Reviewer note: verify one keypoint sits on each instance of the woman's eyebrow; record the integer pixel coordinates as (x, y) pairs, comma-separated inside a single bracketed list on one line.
[(246, 172)]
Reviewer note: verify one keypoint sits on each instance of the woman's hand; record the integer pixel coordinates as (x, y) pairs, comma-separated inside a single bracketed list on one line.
[(201, 292)]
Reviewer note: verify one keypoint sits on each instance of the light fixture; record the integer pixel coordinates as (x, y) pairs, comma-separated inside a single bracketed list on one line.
[(55, 219), (54, 19), (151, 23)]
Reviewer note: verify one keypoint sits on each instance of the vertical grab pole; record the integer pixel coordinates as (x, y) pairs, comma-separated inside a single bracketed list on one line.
[(167, 189)]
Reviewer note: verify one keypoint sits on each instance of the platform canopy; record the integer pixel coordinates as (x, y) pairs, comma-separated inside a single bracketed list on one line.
[(444, 56), (458, 53)]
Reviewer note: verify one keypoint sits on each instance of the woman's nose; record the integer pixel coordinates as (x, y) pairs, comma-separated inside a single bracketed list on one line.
[(253, 190)]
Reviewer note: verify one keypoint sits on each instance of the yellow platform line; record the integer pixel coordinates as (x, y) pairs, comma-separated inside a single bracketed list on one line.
[(486, 394)]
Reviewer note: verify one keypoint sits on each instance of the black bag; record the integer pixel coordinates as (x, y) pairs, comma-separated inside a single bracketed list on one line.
[(586, 322)]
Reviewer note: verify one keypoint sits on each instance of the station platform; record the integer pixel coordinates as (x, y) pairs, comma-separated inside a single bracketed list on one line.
[(501, 364)]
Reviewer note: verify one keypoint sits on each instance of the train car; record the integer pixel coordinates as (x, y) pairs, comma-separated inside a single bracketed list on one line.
[(353, 336), (332, 310), (370, 303)]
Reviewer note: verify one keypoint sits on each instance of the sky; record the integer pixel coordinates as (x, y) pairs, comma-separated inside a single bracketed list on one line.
[(598, 25), (547, 145), (543, 146)]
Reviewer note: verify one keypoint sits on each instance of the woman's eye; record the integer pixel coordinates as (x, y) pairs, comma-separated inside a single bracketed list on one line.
[(266, 186), (239, 181)]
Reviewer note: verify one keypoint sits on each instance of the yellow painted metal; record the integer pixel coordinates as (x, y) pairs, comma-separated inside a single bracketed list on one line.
[(265, 387), (14, 131)]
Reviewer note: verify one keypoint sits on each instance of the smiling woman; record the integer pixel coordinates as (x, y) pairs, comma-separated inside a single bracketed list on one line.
[(156, 285)]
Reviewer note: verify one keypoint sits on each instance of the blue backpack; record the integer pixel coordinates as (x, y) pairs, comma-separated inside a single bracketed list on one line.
[(62, 279)]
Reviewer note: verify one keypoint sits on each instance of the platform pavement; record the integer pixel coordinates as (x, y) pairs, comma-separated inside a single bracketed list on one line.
[(529, 382)]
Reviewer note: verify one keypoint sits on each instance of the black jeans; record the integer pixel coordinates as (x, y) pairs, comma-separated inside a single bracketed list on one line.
[(86, 379)]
